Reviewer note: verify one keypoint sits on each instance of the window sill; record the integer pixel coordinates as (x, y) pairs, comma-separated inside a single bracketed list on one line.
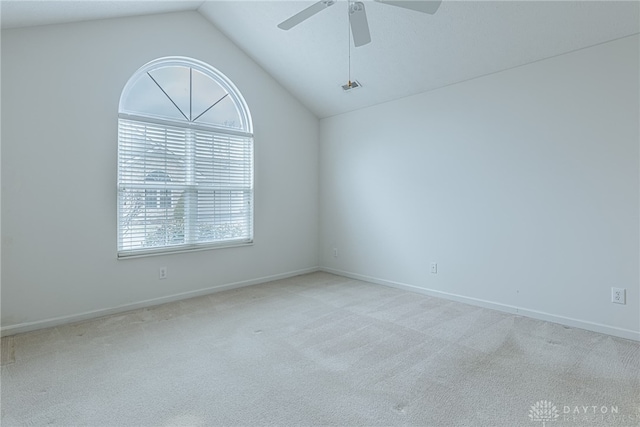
[(181, 250)]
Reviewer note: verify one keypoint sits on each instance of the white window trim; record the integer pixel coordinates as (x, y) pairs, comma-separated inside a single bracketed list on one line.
[(191, 186)]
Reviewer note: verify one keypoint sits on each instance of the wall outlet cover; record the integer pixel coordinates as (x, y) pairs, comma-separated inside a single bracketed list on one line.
[(619, 295)]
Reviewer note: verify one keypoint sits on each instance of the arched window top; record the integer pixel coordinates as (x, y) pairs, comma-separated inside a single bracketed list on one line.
[(187, 91)]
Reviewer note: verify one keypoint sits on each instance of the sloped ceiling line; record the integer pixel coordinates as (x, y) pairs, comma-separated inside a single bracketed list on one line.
[(410, 52)]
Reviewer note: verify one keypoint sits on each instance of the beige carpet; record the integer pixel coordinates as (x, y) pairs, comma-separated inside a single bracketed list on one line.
[(319, 350)]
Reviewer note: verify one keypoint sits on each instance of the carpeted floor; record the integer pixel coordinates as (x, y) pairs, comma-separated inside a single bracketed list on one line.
[(319, 349)]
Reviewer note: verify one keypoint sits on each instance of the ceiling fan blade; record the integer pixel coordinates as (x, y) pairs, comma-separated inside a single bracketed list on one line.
[(305, 14), (359, 24), (424, 6)]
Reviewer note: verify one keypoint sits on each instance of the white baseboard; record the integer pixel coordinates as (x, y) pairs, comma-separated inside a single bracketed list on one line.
[(567, 321), (62, 320)]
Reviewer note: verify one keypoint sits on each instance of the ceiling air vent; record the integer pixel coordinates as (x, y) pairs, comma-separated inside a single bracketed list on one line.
[(351, 85)]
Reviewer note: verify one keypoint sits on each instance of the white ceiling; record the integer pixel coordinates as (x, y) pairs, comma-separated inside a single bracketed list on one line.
[(26, 13), (410, 52)]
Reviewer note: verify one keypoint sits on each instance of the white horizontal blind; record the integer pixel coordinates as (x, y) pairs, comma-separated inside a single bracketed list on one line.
[(182, 187)]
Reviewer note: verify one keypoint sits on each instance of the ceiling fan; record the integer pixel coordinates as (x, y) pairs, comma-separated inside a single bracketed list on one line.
[(358, 16)]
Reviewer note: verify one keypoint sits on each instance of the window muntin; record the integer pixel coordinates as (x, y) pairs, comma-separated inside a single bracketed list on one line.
[(185, 160)]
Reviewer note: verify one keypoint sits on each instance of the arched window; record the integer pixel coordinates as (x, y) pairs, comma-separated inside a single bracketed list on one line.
[(185, 160)]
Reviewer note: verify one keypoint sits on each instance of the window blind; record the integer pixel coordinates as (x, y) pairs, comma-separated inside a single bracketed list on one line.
[(182, 187)]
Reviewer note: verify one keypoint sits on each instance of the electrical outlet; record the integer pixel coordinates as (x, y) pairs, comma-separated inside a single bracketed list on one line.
[(434, 268), (335, 252), (162, 273), (619, 295)]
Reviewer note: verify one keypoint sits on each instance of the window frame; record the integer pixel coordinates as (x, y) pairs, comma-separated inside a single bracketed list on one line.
[(192, 130)]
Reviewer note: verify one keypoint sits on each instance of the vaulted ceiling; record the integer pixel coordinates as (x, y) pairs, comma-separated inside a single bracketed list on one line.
[(410, 52)]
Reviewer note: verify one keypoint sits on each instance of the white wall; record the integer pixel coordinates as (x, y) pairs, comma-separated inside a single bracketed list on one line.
[(523, 186), (60, 90)]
